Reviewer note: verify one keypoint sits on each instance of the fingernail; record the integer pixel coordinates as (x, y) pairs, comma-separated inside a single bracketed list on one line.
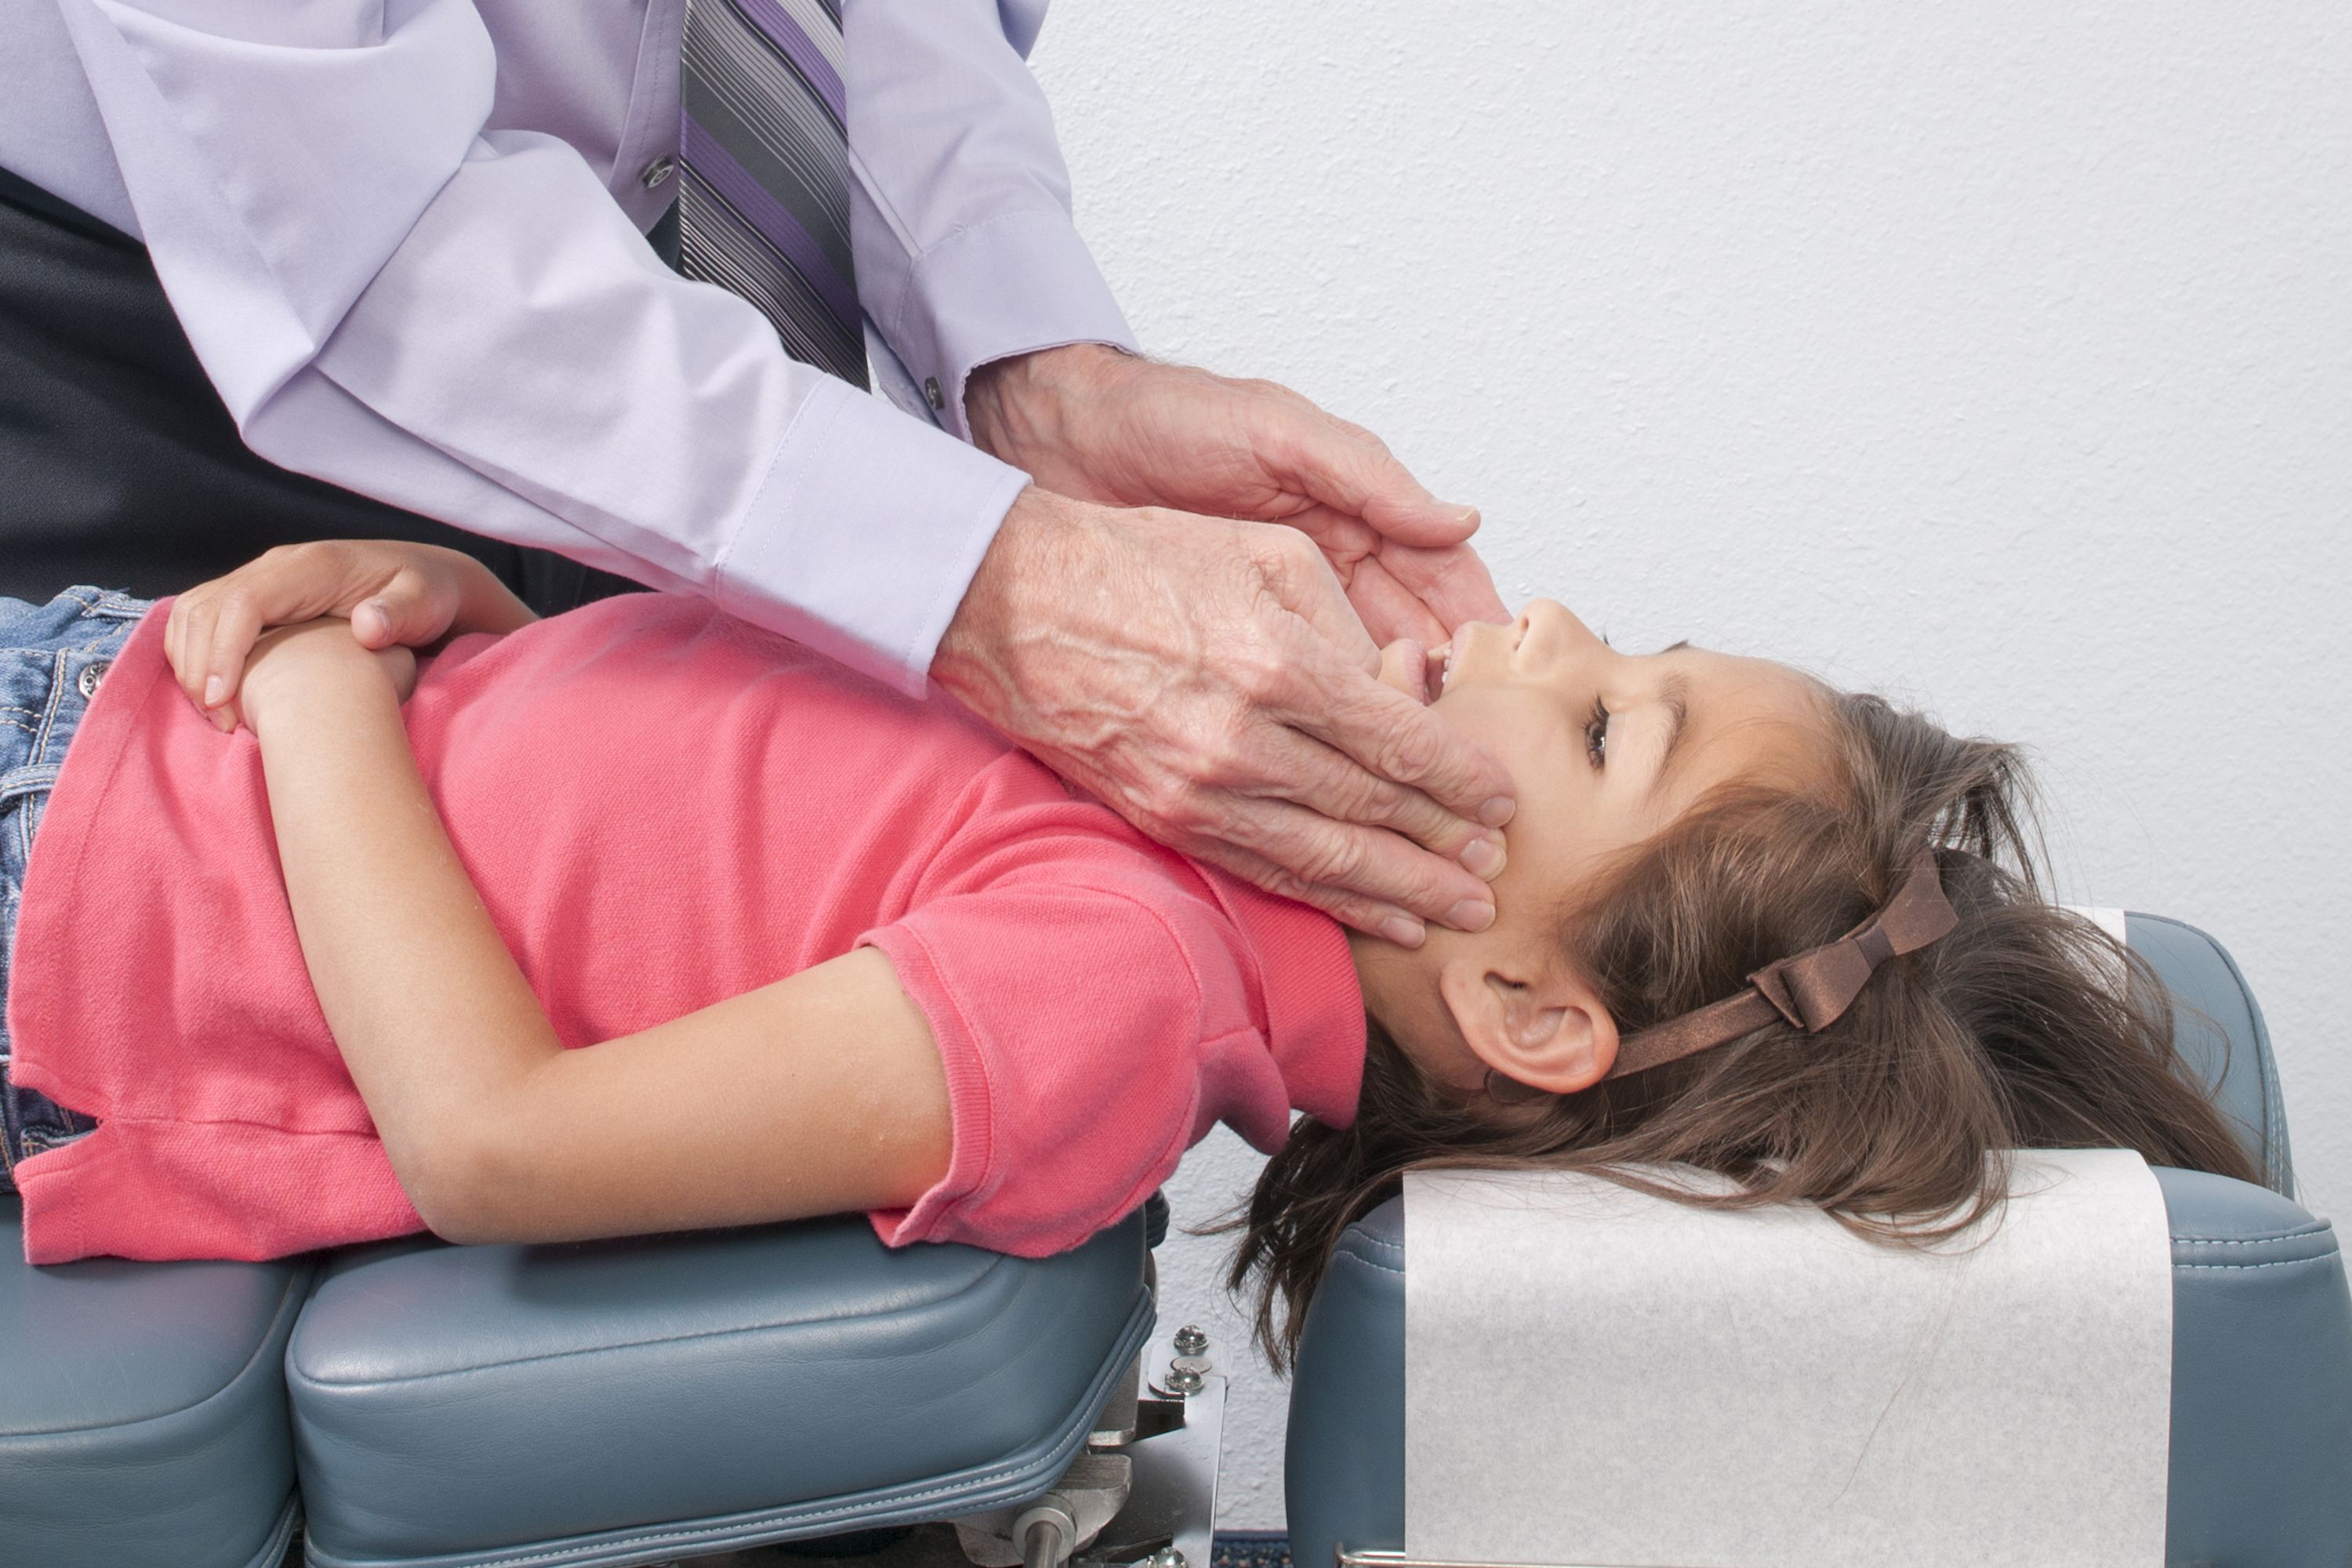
[(1402, 932), (1498, 811), (1471, 914), (215, 690), (1465, 513), (223, 721), (1483, 859)]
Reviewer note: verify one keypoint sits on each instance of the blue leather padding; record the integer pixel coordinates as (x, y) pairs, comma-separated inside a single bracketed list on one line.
[(624, 1402), (2261, 1381), (1343, 1468), (2217, 1028), (143, 1410), (2261, 1386)]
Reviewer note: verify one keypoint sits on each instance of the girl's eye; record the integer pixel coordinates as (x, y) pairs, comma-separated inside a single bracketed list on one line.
[(1596, 735)]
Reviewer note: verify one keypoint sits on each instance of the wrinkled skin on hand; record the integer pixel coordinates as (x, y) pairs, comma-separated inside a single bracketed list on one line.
[(1208, 679), (1097, 424)]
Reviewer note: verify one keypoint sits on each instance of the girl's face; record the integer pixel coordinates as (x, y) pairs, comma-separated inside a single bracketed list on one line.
[(1606, 749)]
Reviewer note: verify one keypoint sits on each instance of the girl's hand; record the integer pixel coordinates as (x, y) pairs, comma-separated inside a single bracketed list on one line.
[(386, 593), (317, 662)]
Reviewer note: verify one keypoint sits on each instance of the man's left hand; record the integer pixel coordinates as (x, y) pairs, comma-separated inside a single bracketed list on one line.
[(1097, 424)]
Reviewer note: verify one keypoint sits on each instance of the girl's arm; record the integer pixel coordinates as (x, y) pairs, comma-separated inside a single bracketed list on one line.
[(819, 1094)]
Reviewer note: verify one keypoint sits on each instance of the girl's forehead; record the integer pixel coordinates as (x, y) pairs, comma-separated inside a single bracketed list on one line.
[(1750, 716)]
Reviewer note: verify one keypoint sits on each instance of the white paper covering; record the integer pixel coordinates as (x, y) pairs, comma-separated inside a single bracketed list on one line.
[(1597, 1376)]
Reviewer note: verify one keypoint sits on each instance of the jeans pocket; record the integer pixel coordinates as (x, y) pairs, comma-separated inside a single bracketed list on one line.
[(24, 794)]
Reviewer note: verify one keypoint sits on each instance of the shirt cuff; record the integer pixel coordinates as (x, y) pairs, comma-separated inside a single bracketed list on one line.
[(865, 534), (1010, 285)]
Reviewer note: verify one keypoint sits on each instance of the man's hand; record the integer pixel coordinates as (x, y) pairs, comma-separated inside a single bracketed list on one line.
[(392, 593), (1207, 680), (1090, 422)]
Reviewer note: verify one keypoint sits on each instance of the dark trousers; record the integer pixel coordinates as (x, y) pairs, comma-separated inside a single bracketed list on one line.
[(118, 463)]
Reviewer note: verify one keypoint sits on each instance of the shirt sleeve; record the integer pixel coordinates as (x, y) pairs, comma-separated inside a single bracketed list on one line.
[(394, 294), (1092, 1028), (960, 201)]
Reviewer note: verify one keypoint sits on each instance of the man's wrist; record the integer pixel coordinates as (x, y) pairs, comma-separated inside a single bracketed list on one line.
[(1015, 559), (1024, 402)]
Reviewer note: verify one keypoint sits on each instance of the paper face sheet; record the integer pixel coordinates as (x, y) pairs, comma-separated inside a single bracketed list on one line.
[(1597, 1376)]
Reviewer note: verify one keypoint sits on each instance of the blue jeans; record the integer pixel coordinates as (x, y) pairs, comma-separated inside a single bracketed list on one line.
[(52, 658)]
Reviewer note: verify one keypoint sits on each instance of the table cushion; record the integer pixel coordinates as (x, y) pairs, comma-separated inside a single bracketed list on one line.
[(2261, 1386), (634, 1400), (143, 1410), (2218, 1027)]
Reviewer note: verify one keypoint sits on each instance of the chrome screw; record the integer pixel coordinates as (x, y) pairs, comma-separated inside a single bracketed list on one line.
[(1191, 1341)]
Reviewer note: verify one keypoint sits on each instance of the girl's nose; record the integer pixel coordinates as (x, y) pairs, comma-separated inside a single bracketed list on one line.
[(1551, 623)]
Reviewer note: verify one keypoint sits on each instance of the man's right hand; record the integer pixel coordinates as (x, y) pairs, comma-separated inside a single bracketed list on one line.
[(395, 595), (1209, 681)]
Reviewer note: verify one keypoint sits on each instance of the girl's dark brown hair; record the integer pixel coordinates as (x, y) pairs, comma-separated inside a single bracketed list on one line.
[(1998, 1035)]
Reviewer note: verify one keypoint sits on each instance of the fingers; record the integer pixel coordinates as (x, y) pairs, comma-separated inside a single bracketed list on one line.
[(1363, 836), (1209, 681), (1344, 783), (1390, 611), (1286, 786), (211, 632), (393, 593), (1333, 695), (1369, 916), (1304, 585), (214, 624), (1452, 583), (1349, 469), (1408, 569), (399, 664), (1394, 738), (409, 610), (1377, 851), (1372, 879), (1404, 664)]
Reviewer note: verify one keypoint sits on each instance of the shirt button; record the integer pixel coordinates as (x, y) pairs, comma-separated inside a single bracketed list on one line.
[(931, 392), (657, 171), (91, 674)]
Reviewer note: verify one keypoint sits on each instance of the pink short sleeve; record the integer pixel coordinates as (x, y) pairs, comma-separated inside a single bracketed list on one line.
[(1093, 1026)]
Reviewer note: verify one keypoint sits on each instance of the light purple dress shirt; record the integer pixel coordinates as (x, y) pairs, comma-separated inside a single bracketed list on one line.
[(406, 239)]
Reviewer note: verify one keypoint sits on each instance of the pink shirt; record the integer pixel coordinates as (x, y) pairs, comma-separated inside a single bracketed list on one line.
[(663, 807)]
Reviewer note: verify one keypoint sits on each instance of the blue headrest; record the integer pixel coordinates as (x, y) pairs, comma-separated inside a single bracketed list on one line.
[(2262, 1429), (2217, 1028)]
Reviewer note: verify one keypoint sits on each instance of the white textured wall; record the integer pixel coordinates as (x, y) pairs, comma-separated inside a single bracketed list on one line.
[(1999, 356)]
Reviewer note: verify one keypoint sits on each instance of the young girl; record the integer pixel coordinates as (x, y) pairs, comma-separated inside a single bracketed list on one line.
[(639, 919)]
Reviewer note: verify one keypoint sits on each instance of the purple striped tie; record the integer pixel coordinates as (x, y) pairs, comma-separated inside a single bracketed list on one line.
[(763, 156)]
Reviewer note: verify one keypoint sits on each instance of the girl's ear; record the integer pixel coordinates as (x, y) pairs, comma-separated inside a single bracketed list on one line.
[(1545, 1028)]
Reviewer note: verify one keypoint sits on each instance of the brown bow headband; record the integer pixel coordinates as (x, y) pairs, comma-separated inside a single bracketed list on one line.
[(1810, 989)]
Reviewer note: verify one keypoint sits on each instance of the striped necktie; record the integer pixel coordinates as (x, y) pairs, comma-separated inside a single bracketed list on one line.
[(763, 192)]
